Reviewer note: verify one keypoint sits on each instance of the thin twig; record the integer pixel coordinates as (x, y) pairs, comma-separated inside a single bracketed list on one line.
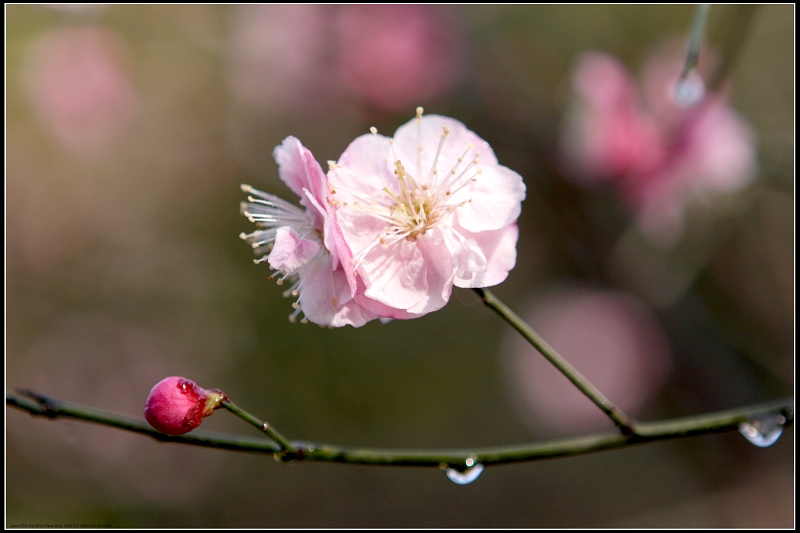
[(696, 36), (623, 421), (260, 425)]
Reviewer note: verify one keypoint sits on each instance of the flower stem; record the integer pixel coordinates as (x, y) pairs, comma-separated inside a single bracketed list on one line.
[(696, 35), (279, 439), (623, 422), (39, 405)]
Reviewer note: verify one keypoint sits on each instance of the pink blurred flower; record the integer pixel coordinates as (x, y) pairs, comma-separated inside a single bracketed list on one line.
[(662, 154), (306, 244), (610, 337), (395, 55), (423, 211), (307, 56), (277, 55), (77, 81), (607, 134)]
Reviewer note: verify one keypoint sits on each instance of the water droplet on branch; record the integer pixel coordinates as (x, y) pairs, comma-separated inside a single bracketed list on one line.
[(688, 92), (763, 431), (467, 476)]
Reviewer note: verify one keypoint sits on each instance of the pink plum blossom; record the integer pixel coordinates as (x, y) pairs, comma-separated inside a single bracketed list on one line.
[(662, 153), (425, 210), (305, 244)]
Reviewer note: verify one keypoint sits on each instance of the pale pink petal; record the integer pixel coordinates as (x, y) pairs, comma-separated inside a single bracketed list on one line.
[(291, 251), (365, 166), (338, 247), (300, 171), (359, 229), (325, 297), (467, 253), (395, 276), (495, 200), (500, 249), (460, 142), (291, 167), (441, 272), (434, 271), (383, 311)]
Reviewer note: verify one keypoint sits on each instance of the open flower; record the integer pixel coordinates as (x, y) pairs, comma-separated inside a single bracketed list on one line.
[(423, 211), (305, 245)]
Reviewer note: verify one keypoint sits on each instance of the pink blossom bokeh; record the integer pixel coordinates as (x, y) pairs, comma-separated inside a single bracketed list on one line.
[(662, 154), (389, 57), (77, 81), (609, 337), (397, 56), (276, 56)]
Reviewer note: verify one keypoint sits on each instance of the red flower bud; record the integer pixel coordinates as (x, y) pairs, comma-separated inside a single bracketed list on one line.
[(177, 405)]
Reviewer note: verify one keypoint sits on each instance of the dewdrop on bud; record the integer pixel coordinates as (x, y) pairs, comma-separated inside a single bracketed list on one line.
[(177, 405)]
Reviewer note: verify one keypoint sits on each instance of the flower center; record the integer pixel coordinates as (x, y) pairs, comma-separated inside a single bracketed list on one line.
[(414, 209), (414, 203)]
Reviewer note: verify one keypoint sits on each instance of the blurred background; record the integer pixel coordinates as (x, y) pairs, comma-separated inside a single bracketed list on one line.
[(669, 283)]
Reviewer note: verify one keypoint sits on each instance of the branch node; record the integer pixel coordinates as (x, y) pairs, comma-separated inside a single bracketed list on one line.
[(48, 405)]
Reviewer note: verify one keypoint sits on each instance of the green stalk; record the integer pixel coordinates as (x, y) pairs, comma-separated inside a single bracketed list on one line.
[(696, 36), (623, 421), (261, 426)]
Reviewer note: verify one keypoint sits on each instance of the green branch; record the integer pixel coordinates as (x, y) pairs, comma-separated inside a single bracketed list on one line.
[(284, 444), (39, 405), (696, 36), (623, 422), (722, 421)]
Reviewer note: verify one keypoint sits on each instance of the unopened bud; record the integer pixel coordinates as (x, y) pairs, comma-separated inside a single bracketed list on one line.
[(177, 405)]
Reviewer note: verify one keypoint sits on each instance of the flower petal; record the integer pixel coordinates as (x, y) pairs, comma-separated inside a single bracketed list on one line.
[(495, 200), (416, 145), (291, 251), (396, 275), (300, 171), (322, 295), (500, 249), (434, 272), (364, 167)]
